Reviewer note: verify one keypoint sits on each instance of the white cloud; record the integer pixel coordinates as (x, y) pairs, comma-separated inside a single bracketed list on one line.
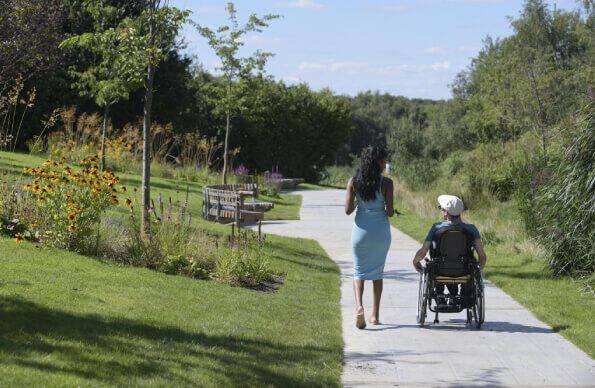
[(363, 68), (445, 65), (313, 66), (311, 4), (435, 50)]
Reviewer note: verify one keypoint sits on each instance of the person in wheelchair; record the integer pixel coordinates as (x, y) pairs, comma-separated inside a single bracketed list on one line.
[(451, 208)]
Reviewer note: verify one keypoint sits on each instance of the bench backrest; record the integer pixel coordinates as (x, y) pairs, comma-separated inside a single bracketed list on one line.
[(252, 187)]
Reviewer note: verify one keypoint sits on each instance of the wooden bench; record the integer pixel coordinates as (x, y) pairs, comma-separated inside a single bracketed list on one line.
[(226, 203)]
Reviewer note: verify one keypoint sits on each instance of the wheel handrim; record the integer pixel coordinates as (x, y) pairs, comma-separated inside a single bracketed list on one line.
[(421, 305)]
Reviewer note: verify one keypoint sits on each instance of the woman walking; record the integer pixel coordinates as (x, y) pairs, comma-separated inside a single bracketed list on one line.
[(372, 195)]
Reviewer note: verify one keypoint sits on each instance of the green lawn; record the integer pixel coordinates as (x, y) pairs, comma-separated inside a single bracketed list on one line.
[(67, 319), (562, 303)]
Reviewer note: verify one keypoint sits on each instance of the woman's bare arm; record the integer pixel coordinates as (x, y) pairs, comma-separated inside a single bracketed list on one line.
[(388, 196), (350, 198)]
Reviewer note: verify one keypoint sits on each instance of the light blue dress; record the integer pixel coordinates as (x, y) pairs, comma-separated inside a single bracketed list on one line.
[(370, 238)]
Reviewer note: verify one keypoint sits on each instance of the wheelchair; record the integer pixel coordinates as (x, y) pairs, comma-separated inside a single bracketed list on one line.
[(451, 265)]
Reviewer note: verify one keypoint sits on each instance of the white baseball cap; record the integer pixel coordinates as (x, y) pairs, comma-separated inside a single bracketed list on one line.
[(453, 205)]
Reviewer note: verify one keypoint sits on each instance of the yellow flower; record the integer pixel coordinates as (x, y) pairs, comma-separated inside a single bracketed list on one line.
[(41, 199), (72, 217), (128, 202), (47, 163), (123, 189), (115, 200), (19, 238), (71, 228)]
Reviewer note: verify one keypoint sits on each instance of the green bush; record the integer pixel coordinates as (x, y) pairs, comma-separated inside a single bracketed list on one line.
[(564, 206), (336, 176), (242, 266), (453, 163), (419, 173), (175, 265), (72, 201)]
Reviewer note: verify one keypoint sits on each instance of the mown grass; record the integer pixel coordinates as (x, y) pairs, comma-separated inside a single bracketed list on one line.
[(71, 320), (515, 264)]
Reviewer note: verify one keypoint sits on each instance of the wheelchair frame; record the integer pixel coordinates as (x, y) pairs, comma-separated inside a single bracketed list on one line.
[(473, 301)]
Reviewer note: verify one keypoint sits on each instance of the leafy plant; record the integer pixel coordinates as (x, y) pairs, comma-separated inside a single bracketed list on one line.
[(72, 200), (226, 41)]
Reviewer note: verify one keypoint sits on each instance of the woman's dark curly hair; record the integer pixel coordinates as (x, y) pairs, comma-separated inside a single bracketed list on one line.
[(367, 178)]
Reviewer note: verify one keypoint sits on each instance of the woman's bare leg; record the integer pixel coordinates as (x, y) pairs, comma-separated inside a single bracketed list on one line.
[(374, 318), (358, 289)]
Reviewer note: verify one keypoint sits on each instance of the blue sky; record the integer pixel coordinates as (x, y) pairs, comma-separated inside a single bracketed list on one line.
[(412, 48)]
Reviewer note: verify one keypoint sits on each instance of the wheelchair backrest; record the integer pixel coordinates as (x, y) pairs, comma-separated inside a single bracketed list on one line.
[(452, 248)]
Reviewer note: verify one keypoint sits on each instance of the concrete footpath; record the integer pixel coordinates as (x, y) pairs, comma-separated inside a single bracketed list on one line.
[(513, 348)]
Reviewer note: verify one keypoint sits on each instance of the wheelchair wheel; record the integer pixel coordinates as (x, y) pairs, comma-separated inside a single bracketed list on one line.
[(422, 301), (479, 307)]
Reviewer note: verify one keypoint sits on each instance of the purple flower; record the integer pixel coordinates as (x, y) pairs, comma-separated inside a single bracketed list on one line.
[(276, 174), (241, 170)]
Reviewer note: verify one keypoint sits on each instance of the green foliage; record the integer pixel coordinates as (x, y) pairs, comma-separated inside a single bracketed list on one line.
[(282, 121), (72, 202), (247, 267), (336, 176), (148, 39), (180, 265), (562, 209)]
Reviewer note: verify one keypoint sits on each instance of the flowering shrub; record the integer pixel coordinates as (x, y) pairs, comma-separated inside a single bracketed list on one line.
[(241, 170), (60, 149), (274, 180), (17, 214), (242, 174), (72, 200)]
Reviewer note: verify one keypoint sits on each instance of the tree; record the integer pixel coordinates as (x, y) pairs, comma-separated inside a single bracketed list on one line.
[(104, 79), (226, 42), (30, 31), (146, 40)]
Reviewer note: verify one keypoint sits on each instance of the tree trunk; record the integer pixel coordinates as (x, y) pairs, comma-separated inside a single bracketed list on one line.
[(146, 178), (103, 137), (225, 148)]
